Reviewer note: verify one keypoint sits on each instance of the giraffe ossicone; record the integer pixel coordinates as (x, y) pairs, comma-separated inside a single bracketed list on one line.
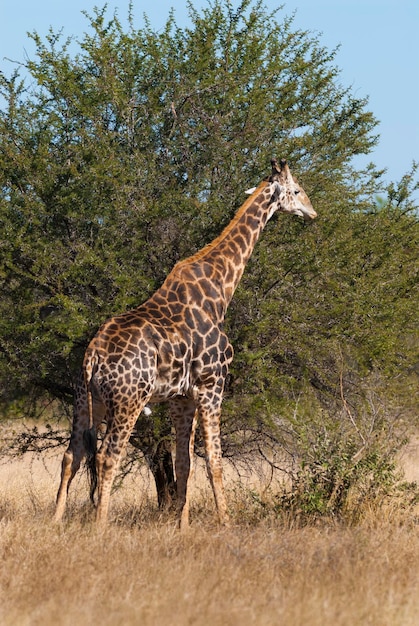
[(172, 348)]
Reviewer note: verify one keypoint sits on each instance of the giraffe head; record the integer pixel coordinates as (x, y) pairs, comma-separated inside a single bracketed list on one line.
[(287, 195)]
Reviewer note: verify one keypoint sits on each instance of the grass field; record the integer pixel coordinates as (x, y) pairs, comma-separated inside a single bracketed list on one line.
[(141, 570)]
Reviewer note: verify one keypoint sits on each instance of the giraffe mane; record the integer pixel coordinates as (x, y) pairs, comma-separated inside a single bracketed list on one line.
[(210, 246)]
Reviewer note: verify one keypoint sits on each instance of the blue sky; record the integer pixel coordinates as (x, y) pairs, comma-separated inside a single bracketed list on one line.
[(378, 57)]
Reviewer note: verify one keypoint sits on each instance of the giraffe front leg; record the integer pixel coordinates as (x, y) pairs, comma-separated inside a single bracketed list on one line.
[(210, 426), (183, 413)]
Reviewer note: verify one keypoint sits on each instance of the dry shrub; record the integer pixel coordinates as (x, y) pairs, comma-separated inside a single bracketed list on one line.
[(264, 570)]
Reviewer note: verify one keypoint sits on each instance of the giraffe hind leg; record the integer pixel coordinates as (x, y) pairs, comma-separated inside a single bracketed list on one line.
[(80, 445), (120, 427), (69, 467)]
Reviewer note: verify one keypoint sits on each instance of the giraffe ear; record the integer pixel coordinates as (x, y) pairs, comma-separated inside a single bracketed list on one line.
[(250, 191)]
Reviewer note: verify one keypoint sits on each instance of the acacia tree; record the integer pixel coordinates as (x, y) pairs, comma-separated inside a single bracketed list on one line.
[(131, 148)]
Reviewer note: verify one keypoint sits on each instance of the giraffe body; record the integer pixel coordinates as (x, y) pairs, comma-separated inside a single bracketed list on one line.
[(173, 348)]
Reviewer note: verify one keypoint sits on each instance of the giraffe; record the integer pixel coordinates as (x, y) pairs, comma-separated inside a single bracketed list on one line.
[(172, 348)]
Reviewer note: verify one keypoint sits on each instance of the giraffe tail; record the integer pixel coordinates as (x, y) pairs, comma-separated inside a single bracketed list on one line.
[(90, 434), (90, 445)]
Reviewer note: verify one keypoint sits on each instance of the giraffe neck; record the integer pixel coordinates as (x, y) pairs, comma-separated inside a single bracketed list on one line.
[(220, 265)]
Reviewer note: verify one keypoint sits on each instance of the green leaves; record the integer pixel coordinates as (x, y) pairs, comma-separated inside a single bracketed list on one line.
[(132, 148)]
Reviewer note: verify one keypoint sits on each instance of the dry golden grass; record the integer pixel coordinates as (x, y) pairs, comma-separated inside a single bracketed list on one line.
[(141, 570)]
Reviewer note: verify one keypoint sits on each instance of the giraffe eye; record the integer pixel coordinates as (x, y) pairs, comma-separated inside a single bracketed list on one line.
[(296, 192)]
